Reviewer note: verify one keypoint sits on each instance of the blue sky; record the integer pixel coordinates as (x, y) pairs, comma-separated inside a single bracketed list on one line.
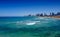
[(25, 7)]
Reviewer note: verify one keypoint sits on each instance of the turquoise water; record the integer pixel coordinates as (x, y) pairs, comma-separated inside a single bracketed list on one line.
[(29, 27)]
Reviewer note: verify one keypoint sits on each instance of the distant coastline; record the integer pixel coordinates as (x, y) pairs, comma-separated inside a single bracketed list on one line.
[(51, 15), (56, 17)]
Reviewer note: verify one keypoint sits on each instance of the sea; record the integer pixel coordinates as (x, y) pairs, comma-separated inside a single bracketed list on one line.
[(29, 26)]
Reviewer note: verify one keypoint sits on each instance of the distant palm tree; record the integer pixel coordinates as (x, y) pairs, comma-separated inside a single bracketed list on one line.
[(53, 14), (29, 15), (45, 14), (37, 14), (50, 14), (41, 14)]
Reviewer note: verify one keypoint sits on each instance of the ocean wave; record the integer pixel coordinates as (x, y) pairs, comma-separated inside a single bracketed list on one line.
[(39, 18), (27, 22), (31, 23)]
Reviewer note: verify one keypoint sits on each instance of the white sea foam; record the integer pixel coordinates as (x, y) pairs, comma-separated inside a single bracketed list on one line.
[(24, 22), (31, 23), (41, 18)]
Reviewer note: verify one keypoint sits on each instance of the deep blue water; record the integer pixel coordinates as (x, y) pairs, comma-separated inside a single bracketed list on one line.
[(29, 27)]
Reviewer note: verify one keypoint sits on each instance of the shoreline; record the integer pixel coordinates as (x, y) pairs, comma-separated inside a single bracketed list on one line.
[(55, 17)]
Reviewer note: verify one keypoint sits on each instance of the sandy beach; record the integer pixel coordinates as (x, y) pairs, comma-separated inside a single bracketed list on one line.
[(55, 17)]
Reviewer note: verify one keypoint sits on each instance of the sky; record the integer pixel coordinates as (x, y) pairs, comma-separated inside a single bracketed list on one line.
[(26, 7)]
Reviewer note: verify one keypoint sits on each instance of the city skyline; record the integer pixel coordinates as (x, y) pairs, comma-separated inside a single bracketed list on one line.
[(26, 7)]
